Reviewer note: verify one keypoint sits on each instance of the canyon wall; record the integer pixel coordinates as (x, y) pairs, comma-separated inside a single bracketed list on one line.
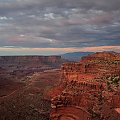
[(31, 61), (86, 86), (92, 67)]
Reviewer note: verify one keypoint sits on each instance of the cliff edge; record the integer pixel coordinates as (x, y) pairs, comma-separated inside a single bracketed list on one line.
[(91, 88)]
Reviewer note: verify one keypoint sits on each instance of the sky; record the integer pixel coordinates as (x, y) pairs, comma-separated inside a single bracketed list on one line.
[(50, 27)]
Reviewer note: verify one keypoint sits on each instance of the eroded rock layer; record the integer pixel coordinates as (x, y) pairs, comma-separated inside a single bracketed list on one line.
[(92, 85), (30, 60)]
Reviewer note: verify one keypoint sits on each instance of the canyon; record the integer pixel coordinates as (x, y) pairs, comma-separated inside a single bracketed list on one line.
[(91, 87), (49, 87), (15, 69), (24, 82)]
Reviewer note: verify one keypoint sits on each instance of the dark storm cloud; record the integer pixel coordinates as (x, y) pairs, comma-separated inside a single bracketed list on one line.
[(59, 23), (85, 4)]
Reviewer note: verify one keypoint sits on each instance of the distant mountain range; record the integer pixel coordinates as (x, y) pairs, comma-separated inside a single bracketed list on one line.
[(75, 56)]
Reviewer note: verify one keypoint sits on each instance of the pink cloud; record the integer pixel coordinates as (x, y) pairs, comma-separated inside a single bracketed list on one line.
[(60, 50), (105, 18)]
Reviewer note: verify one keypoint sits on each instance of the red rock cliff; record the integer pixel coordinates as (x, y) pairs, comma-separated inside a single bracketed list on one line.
[(85, 86), (92, 66), (31, 60)]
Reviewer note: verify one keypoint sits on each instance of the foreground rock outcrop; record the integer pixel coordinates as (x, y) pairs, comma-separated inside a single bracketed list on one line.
[(91, 88)]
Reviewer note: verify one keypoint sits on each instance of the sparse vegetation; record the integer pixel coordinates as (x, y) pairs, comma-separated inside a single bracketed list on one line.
[(113, 82)]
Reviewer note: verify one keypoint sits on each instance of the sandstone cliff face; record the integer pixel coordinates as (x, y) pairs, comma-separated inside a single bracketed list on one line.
[(31, 61), (102, 56), (92, 67), (86, 86)]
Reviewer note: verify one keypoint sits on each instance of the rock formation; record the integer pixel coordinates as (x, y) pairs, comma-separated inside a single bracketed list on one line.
[(92, 84), (31, 60)]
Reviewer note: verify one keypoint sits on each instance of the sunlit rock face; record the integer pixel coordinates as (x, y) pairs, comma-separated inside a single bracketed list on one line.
[(102, 56), (69, 113), (85, 83), (92, 66)]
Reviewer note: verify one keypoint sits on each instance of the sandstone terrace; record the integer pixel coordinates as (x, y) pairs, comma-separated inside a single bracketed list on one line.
[(87, 84)]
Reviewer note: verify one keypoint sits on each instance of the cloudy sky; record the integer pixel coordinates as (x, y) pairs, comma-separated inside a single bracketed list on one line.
[(58, 26)]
